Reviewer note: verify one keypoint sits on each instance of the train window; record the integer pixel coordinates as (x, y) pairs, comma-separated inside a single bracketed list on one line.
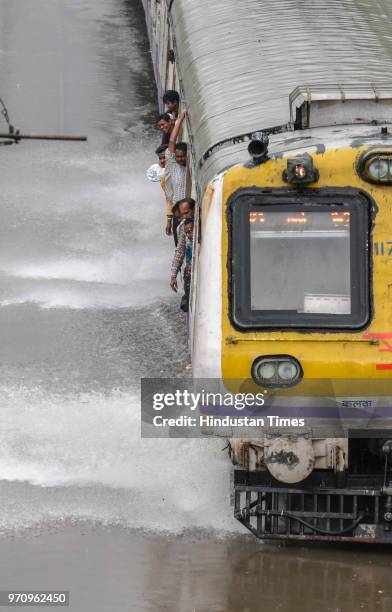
[(300, 261), (311, 253)]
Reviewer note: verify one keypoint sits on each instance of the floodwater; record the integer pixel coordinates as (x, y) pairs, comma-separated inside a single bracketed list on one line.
[(85, 312), (111, 569)]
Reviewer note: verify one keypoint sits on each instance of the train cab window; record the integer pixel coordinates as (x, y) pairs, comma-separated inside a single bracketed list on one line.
[(300, 261)]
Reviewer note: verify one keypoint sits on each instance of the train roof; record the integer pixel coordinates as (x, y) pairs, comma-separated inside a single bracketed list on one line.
[(239, 60)]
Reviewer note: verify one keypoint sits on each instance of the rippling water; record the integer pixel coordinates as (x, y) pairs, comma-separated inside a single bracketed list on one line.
[(86, 309)]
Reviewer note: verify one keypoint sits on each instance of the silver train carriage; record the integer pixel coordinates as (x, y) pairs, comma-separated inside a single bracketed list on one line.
[(292, 263)]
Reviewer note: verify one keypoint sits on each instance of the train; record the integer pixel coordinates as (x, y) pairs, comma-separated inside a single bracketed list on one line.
[(289, 120)]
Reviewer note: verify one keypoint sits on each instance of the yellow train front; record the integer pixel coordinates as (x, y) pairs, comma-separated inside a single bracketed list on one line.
[(292, 298)]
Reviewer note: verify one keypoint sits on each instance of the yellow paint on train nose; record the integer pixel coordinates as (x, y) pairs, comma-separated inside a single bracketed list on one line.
[(363, 357)]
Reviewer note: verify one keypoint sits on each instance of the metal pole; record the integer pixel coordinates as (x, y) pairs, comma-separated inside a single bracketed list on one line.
[(16, 136)]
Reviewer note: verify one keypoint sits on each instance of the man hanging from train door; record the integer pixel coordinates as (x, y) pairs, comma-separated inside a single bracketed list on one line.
[(176, 168)]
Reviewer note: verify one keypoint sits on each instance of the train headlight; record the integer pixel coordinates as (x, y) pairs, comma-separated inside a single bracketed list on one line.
[(300, 170), (288, 370), (276, 371), (267, 370), (376, 167)]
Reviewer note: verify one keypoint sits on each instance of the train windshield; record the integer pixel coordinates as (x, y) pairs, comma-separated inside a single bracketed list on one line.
[(302, 265), (303, 258)]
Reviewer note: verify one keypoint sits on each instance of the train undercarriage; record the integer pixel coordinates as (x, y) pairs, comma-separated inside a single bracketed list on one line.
[(350, 504)]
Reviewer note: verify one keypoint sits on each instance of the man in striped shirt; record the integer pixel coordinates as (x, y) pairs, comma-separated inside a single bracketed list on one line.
[(176, 170)]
